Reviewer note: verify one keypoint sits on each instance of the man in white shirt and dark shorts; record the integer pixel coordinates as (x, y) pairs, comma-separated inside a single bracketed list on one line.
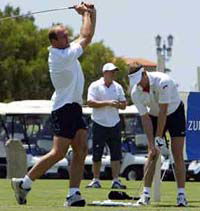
[(158, 92), (68, 125), (106, 97)]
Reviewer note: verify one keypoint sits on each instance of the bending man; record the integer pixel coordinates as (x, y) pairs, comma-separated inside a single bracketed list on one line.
[(159, 92)]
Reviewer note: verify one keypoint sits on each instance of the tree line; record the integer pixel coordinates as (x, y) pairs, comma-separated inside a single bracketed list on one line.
[(23, 60)]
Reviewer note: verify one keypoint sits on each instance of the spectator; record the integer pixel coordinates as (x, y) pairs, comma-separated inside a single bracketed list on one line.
[(106, 97)]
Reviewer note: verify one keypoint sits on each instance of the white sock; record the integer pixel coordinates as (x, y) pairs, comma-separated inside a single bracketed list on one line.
[(115, 180), (96, 179), (27, 182), (147, 190), (73, 191), (181, 190)]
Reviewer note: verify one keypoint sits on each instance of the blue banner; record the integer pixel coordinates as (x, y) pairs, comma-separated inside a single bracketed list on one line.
[(193, 126)]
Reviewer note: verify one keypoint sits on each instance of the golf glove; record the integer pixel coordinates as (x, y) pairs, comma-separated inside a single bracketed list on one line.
[(161, 144)]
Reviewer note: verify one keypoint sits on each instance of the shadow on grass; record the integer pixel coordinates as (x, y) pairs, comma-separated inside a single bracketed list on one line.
[(197, 201), (173, 206)]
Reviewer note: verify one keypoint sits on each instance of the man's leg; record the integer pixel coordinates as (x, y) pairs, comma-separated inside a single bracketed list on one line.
[(79, 146), (95, 183), (116, 183), (114, 144), (96, 169), (149, 169), (58, 152), (177, 145), (115, 165), (150, 165), (22, 186), (99, 137)]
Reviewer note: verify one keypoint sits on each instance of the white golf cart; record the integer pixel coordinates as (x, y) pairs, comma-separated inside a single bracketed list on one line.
[(2, 148), (193, 170), (29, 121)]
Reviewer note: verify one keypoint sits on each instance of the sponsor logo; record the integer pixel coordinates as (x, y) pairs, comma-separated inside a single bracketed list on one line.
[(165, 86), (193, 125)]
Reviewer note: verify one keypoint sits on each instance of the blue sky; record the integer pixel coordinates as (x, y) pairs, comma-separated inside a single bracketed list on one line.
[(129, 27)]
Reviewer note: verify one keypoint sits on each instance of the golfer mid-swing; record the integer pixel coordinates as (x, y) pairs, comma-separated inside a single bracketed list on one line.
[(67, 119), (158, 92)]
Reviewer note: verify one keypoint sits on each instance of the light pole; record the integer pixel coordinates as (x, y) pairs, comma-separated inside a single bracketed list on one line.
[(164, 52)]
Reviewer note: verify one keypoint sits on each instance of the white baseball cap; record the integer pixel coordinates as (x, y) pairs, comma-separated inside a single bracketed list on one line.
[(135, 78), (109, 67)]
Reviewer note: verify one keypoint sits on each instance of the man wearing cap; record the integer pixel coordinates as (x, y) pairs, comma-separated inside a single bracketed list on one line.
[(106, 96), (158, 92)]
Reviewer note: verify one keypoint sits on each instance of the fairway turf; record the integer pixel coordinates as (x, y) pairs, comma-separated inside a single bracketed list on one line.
[(49, 195)]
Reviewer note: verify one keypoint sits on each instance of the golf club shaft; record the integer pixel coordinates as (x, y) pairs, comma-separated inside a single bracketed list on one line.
[(38, 12)]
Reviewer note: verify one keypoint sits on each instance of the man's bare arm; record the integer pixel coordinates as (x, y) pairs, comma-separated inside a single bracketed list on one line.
[(148, 129), (162, 116), (122, 105), (88, 24), (103, 103)]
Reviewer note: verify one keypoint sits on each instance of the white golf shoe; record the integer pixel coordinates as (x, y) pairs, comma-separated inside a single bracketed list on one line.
[(20, 193), (117, 185), (181, 200), (144, 200), (75, 200), (94, 184)]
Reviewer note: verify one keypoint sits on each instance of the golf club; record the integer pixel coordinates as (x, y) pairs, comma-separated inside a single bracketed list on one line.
[(42, 11), (38, 12)]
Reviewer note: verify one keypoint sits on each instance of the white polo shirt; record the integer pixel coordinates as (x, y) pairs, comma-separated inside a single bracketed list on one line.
[(163, 90), (106, 116), (66, 75)]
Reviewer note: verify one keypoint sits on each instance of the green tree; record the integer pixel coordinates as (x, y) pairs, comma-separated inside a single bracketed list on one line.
[(24, 55), (23, 58)]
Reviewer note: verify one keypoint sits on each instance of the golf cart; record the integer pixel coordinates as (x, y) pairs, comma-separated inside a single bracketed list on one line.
[(193, 170), (2, 148), (134, 144), (29, 122)]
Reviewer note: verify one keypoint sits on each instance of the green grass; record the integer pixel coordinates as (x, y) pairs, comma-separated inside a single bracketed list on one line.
[(49, 195)]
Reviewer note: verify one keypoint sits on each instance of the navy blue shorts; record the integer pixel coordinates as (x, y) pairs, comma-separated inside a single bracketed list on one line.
[(67, 120), (106, 135), (175, 123)]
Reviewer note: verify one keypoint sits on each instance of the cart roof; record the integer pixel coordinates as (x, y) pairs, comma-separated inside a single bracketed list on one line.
[(2, 108), (44, 107)]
